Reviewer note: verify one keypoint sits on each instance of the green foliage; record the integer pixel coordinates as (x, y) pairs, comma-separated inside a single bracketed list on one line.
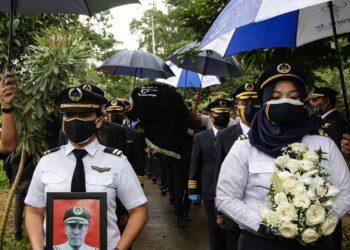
[(169, 35), (57, 57), (26, 27), (196, 15), (3, 179)]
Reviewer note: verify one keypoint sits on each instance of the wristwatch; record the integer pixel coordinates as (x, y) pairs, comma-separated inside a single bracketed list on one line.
[(7, 110)]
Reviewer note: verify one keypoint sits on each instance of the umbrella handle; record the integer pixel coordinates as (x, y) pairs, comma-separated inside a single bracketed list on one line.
[(340, 67), (10, 36)]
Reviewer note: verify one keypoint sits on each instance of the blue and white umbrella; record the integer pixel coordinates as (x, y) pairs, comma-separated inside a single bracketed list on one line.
[(188, 79), (245, 25)]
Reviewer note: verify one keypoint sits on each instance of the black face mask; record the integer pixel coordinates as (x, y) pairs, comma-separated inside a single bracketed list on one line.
[(222, 120), (285, 112), (79, 130), (116, 118), (315, 111), (247, 113)]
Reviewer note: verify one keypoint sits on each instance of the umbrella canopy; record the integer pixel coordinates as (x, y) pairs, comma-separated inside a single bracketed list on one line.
[(188, 79), (83, 7), (284, 24), (136, 63), (206, 62), (308, 23)]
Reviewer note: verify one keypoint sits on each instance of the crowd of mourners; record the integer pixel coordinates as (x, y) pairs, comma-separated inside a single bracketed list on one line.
[(221, 158)]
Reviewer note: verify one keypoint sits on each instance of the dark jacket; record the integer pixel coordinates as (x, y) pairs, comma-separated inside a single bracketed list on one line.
[(201, 177), (135, 151), (333, 126)]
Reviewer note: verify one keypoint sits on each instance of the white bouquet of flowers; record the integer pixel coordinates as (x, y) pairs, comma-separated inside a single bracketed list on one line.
[(300, 200)]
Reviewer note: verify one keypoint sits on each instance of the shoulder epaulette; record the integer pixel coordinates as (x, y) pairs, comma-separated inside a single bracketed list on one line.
[(322, 132), (244, 137), (113, 151), (51, 151)]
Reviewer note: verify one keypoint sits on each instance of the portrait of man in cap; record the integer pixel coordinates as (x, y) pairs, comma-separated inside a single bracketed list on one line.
[(76, 227)]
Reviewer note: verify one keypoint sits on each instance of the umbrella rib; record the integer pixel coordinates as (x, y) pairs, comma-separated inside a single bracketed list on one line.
[(87, 6)]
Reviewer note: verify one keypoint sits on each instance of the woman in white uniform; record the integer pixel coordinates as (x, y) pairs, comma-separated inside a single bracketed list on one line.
[(246, 171)]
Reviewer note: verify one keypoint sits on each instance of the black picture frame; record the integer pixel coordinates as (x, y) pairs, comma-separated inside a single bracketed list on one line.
[(79, 198)]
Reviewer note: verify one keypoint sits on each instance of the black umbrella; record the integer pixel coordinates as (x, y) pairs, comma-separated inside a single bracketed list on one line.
[(83, 7), (206, 62), (137, 63)]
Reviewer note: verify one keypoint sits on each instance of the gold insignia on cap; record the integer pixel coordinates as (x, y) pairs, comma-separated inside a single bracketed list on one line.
[(87, 87), (222, 103), (77, 210), (114, 103), (284, 68), (75, 94), (249, 87)]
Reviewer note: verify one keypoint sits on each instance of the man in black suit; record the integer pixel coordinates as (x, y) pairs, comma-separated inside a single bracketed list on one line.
[(328, 122), (246, 105), (202, 169), (135, 140)]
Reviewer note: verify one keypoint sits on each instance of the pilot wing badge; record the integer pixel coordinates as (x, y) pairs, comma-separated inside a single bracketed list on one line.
[(100, 170)]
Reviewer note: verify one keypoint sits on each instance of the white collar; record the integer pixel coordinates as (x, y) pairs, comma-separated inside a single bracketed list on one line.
[(215, 130), (325, 115), (91, 148), (244, 127)]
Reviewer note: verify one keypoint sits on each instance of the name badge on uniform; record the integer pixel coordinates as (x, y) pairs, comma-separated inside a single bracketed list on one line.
[(100, 170)]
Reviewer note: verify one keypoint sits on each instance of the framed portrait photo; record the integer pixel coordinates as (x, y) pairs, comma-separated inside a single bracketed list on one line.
[(76, 221)]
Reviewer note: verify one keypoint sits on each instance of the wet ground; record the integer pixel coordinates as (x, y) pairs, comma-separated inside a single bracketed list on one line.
[(161, 232)]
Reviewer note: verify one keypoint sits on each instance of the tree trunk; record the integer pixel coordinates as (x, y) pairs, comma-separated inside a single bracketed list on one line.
[(10, 197)]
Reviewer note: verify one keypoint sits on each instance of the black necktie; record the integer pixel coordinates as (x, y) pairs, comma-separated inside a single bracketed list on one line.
[(78, 180)]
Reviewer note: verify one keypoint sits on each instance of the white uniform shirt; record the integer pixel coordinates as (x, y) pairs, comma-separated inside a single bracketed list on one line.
[(54, 173), (246, 170)]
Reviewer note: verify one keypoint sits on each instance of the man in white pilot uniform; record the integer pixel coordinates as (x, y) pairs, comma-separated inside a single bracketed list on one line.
[(84, 165), (76, 227)]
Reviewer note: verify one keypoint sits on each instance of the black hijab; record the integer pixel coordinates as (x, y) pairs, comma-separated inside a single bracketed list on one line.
[(269, 137)]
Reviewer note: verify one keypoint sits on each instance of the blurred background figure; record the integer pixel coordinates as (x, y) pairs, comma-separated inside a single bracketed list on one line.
[(8, 138), (326, 118)]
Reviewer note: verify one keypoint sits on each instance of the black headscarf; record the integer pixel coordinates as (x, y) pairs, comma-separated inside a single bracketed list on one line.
[(269, 137)]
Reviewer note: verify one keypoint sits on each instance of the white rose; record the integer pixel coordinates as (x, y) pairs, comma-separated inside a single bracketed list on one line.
[(294, 165), (281, 198), (264, 212), (298, 189), (286, 212), (311, 156), (307, 165), (299, 147), (272, 218), (301, 201), (315, 214), (281, 161), (328, 226), (288, 230), (289, 184), (309, 235), (285, 175)]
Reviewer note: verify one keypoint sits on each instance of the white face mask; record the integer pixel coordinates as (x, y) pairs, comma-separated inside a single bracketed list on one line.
[(285, 100)]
